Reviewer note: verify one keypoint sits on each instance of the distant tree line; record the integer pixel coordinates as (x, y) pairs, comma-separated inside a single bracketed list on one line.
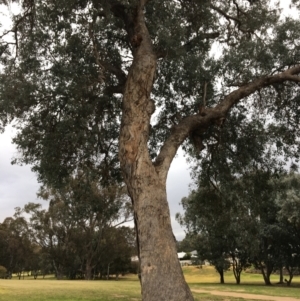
[(80, 235), (252, 222)]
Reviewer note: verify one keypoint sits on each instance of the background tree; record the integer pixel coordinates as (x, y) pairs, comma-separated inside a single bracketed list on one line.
[(217, 234), (288, 217), (83, 73), (186, 245), (234, 208), (116, 251), (16, 243), (75, 225)]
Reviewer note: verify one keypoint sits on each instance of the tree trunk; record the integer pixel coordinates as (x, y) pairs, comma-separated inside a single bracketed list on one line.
[(58, 271), (266, 276), (88, 271), (280, 275), (107, 272), (237, 270), (291, 276), (222, 281), (237, 277), (161, 273)]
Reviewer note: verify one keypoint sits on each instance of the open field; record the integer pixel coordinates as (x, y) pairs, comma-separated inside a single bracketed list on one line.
[(128, 289), (207, 279)]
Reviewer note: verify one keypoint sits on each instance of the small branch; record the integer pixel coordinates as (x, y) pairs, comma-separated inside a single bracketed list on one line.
[(204, 95), (15, 30), (215, 187), (238, 9), (230, 18), (6, 33), (96, 53), (224, 14), (123, 222)]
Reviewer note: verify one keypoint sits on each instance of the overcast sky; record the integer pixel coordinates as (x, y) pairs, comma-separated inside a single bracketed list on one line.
[(18, 185)]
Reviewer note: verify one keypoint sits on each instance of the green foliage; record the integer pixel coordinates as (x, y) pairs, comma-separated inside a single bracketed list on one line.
[(220, 80), (16, 246), (128, 288), (73, 59), (186, 245), (77, 233), (253, 222), (187, 256)]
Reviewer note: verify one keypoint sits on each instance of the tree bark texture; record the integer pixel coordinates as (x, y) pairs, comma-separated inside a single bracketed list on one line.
[(88, 270), (222, 281), (161, 274), (266, 275), (281, 275), (237, 270), (291, 276)]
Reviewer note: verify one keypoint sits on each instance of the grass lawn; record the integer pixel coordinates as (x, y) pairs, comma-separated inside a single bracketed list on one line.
[(128, 288), (208, 279), (65, 290)]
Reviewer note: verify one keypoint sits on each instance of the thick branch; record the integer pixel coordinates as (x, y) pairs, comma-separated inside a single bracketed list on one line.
[(234, 97), (178, 134), (182, 130)]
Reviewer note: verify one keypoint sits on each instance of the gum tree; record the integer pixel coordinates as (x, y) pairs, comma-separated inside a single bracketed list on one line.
[(85, 77), (77, 223)]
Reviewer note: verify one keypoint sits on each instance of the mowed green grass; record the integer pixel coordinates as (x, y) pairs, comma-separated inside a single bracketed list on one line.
[(66, 290), (128, 288), (208, 279)]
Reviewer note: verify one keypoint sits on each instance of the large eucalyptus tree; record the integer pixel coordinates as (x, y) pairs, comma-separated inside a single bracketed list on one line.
[(120, 85)]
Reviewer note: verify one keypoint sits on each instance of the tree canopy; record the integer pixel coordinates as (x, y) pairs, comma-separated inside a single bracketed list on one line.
[(245, 223), (65, 74), (114, 88), (80, 235)]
